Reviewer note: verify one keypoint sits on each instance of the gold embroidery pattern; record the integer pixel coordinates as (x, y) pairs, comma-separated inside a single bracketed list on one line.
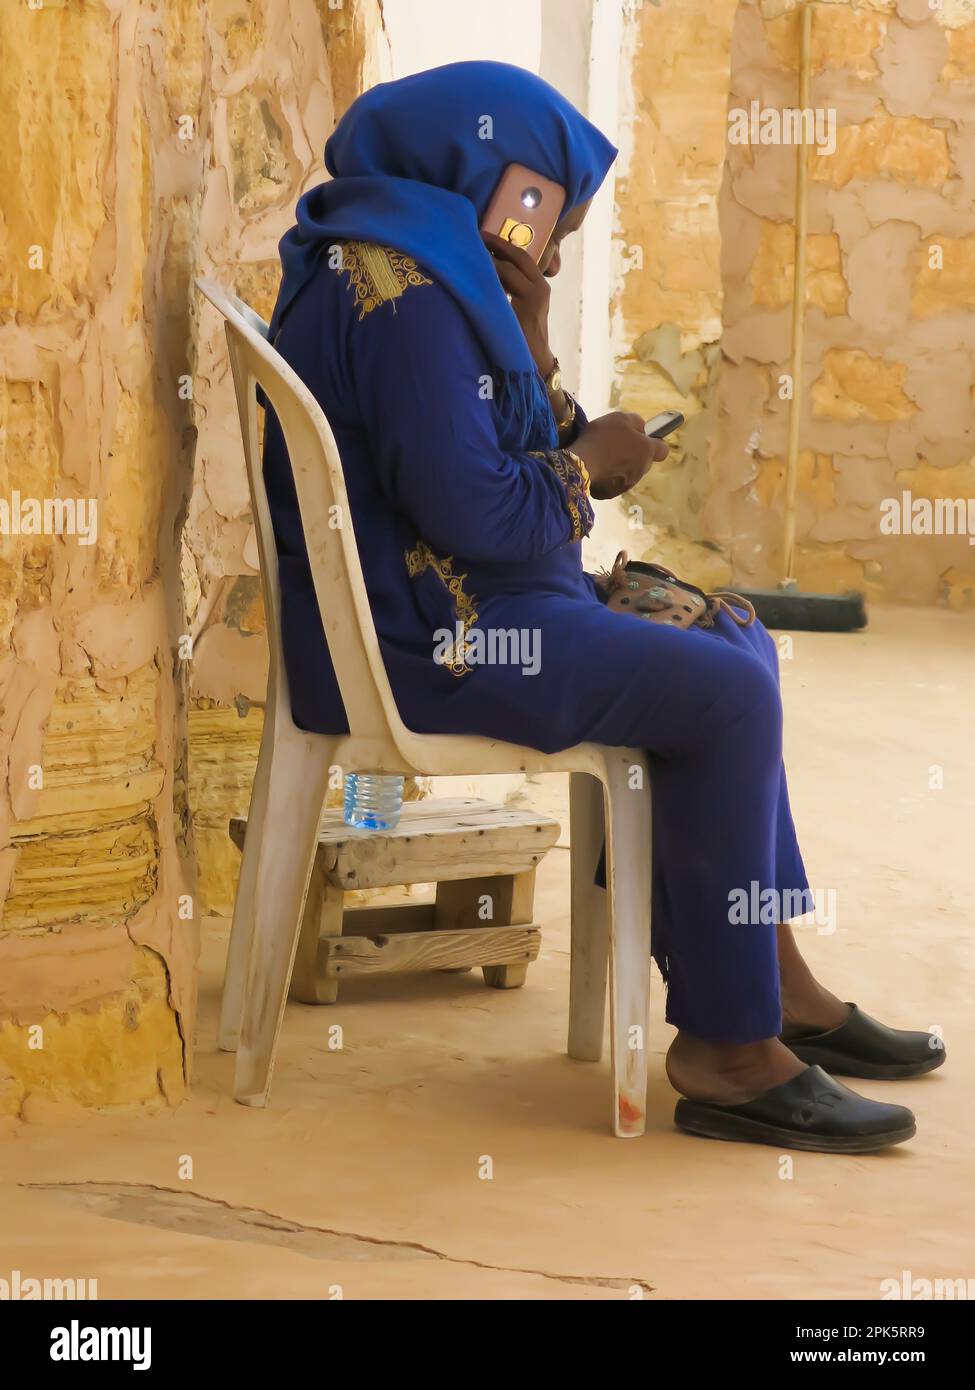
[(422, 559), (378, 274), (574, 476)]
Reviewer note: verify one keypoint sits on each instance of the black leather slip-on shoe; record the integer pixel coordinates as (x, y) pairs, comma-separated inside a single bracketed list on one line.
[(861, 1046), (812, 1111)]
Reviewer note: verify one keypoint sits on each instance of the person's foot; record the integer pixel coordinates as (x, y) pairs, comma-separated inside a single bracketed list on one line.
[(860, 1046), (821, 1030), (807, 1007), (812, 1112), (813, 1010), (762, 1093), (728, 1074)]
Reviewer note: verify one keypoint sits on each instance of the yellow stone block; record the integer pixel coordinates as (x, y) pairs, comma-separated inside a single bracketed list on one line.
[(905, 148), (12, 1092), (89, 849), (242, 607), (947, 285), (927, 481), (256, 283), (828, 570), (772, 9), (261, 154), (242, 25), (184, 40), (842, 37), (223, 760), (344, 30), (132, 492), (87, 876), (126, 1052), (99, 750), (646, 389), (57, 84), (667, 196), (679, 280), (855, 386), (958, 589), (951, 14), (816, 481), (773, 272), (28, 466), (961, 55)]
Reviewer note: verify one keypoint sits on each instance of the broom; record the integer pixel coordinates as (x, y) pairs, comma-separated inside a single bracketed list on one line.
[(786, 606)]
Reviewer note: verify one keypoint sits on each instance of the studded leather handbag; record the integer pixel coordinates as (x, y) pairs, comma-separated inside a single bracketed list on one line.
[(655, 593)]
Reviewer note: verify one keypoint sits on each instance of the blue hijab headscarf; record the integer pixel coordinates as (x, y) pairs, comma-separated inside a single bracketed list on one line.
[(414, 164)]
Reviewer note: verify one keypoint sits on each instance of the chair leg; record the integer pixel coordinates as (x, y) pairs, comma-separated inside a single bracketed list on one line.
[(295, 796), (242, 927), (628, 868), (590, 921)]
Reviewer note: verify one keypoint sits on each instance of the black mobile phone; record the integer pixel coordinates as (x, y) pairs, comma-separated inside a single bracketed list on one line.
[(663, 424)]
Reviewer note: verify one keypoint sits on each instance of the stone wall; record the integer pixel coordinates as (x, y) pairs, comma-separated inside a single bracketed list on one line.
[(147, 140), (889, 329), (282, 71), (667, 308)]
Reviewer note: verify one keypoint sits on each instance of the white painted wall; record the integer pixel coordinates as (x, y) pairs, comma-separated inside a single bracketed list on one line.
[(427, 33)]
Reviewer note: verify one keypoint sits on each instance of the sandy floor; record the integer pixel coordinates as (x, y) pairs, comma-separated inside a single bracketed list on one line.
[(363, 1176)]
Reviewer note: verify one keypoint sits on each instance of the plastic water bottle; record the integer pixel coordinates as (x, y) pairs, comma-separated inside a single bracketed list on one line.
[(373, 800)]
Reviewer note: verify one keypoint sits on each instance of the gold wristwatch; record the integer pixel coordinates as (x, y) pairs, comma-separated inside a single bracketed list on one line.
[(567, 424), (553, 385)]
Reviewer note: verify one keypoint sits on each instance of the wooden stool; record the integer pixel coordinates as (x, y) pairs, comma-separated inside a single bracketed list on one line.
[(482, 858)]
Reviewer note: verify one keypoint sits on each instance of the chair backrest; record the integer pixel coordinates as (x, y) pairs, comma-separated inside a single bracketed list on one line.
[(327, 524)]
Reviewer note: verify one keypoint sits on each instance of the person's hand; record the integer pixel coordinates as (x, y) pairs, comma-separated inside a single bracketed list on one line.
[(617, 453), (530, 293)]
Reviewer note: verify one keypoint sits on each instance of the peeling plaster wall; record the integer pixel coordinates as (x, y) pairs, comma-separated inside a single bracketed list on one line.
[(666, 310), (889, 340), (281, 72), (146, 141), (94, 327)]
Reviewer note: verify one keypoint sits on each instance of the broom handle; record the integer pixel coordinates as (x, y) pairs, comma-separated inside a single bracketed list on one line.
[(798, 302)]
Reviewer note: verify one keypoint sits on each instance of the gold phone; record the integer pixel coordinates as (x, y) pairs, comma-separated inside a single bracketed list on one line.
[(525, 209)]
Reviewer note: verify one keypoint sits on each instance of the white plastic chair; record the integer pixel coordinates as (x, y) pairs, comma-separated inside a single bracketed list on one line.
[(293, 768)]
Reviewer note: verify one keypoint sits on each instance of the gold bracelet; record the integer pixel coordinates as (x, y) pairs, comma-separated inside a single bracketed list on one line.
[(570, 419), (583, 470)]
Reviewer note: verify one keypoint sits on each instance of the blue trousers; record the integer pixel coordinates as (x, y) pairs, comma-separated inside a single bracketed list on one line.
[(722, 836)]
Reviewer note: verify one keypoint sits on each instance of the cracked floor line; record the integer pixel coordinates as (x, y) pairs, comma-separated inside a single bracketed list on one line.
[(188, 1213)]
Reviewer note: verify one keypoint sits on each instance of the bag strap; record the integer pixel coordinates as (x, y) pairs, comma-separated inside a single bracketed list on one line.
[(611, 579), (722, 601)]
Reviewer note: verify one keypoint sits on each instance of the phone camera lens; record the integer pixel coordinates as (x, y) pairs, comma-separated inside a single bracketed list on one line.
[(531, 197)]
